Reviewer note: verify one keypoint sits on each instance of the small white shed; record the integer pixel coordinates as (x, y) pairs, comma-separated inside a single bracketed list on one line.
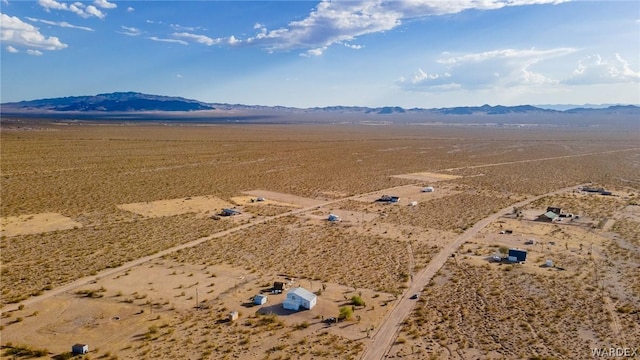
[(428, 189), (260, 299), (233, 316)]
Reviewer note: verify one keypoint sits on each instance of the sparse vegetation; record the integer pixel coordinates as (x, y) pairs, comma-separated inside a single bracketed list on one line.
[(378, 248), (24, 351)]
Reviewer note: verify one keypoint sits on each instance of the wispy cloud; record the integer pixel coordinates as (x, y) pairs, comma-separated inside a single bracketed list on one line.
[(511, 68), (484, 70), (353, 46), (202, 39), (130, 31), (178, 27), (11, 49), (596, 70), (78, 8), (334, 22), (34, 52), (175, 41), (14, 31), (63, 24)]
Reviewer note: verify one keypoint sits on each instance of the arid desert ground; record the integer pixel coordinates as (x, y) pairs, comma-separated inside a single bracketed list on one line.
[(112, 237)]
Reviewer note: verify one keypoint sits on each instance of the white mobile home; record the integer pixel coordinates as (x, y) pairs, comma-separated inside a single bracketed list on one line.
[(299, 298)]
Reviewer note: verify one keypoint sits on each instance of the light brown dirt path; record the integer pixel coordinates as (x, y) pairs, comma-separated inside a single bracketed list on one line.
[(615, 322), (386, 334)]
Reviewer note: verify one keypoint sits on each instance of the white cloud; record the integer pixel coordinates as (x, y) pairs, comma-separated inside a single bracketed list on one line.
[(14, 31), (63, 24), (182, 28), (596, 70), (130, 9), (175, 41), (11, 49), (353, 46), (329, 23), (504, 68), (105, 4), (233, 41), (52, 4), (130, 31), (34, 52), (314, 52), (506, 54), (333, 22), (202, 39), (421, 76), (92, 10), (77, 8)]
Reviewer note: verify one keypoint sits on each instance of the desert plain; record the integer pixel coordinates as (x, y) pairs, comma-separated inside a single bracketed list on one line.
[(112, 236)]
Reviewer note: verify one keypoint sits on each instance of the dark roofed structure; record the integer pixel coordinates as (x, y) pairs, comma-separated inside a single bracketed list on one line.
[(230, 212), (548, 216), (555, 210)]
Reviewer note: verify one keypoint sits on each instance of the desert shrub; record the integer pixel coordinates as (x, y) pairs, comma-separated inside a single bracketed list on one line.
[(345, 313), (357, 300)]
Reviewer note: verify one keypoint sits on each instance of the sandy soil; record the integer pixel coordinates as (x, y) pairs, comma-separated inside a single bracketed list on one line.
[(407, 194), (427, 177), (36, 224), (96, 285), (581, 263), (250, 200), (171, 207), (285, 198), (115, 313)]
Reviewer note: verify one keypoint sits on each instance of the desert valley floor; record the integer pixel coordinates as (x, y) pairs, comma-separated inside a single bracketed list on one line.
[(112, 236)]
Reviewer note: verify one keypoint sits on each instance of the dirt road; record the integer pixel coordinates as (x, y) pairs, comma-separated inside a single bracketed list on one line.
[(383, 339)]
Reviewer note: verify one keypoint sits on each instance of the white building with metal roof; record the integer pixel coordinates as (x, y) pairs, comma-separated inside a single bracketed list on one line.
[(299, 298)]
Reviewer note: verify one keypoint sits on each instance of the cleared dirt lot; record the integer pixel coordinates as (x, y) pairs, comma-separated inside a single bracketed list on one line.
[(35, 224), (171, 207), (373, 253)]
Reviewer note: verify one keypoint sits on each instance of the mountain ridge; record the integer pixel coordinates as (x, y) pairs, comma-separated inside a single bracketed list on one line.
[(135, 101)]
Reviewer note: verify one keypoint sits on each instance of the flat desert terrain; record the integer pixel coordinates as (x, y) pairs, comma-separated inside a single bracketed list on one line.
[(113, 235)]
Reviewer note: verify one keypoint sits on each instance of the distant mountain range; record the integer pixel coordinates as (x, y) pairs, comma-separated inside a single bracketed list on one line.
[(134, 102), (118, 101), (133, 106)]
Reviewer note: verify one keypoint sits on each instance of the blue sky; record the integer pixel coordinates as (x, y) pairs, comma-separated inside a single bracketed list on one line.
[(417, 53)]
